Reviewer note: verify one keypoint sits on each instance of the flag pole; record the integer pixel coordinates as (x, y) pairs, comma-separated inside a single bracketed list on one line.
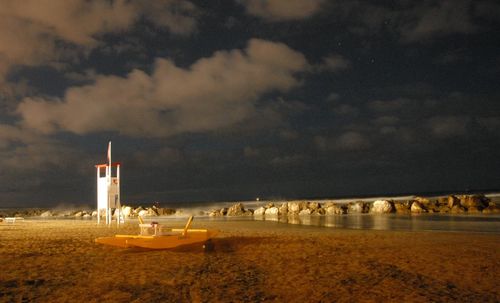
[(108, 210)]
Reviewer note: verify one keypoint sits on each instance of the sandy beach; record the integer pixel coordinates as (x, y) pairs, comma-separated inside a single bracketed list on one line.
[(58, 261)]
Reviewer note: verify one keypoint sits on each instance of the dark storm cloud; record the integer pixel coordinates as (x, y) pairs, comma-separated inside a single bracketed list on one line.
[(416, 21), (57, 33), (239, 99)]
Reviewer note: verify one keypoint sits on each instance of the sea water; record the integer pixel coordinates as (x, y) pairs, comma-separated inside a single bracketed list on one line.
[(395, 222)]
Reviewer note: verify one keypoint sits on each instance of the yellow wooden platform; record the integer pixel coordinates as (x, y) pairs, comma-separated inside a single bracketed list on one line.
[(162, 239)]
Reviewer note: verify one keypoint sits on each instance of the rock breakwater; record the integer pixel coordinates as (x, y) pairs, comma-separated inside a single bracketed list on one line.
[(452, 204)]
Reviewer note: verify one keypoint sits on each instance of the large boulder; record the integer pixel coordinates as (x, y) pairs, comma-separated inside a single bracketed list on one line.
[(305, 212), (142, 213), (155, 210), (236, 210), (417, 207), (335, 209), (444, 209), (137, 210), (382, 207), (31, 213), (452, 201), (430, 205), (215, 213), (491, 209), (474, 210), (46, 214), (442, 201), (473, 201), (295, 207), (458, 209), (259, 211), (272, 211), (63, 213), (319, 211), (328, 204), (313, 206), (152, 212), (283, 209), (357, 207), (126, 211), (402, 207)]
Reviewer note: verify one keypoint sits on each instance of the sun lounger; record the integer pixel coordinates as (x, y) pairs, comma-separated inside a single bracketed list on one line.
[(13, 219)]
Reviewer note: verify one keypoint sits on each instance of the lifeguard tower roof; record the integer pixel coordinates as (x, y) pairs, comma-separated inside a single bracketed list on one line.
[(106, 164)]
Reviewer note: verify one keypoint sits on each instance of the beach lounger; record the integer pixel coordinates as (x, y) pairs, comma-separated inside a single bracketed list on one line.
[(13, 219)]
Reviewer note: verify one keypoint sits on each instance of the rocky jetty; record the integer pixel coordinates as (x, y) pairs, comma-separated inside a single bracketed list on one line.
[(382, 207), (460, 204), (238, 210), (452, 204)]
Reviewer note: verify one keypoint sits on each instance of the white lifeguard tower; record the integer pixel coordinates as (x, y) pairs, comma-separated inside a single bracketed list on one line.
[(108, 190)]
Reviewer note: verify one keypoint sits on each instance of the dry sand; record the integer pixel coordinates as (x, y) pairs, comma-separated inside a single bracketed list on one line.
[(58, 261)]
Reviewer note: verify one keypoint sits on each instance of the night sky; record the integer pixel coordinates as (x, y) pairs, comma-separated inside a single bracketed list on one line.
[(236, 99)]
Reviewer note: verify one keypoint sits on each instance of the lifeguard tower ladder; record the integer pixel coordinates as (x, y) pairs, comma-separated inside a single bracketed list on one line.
[(108, 190)]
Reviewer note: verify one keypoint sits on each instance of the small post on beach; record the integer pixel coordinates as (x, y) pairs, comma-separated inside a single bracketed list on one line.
[(108, 190)]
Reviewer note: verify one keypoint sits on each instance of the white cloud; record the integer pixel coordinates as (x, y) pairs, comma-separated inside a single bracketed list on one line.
[(213, 93), (334, 63), (279, 10)]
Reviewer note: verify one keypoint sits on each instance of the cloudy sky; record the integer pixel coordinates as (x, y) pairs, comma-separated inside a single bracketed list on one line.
[(238, 99)]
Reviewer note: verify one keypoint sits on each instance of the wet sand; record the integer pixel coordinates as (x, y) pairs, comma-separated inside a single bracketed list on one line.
[(58, 261)]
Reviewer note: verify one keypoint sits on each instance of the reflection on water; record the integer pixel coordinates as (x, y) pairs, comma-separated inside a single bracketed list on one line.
[(467, 223), (423, 222), (401, 222)]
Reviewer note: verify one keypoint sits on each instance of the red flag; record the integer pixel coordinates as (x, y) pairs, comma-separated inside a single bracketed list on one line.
[(109, 152)]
